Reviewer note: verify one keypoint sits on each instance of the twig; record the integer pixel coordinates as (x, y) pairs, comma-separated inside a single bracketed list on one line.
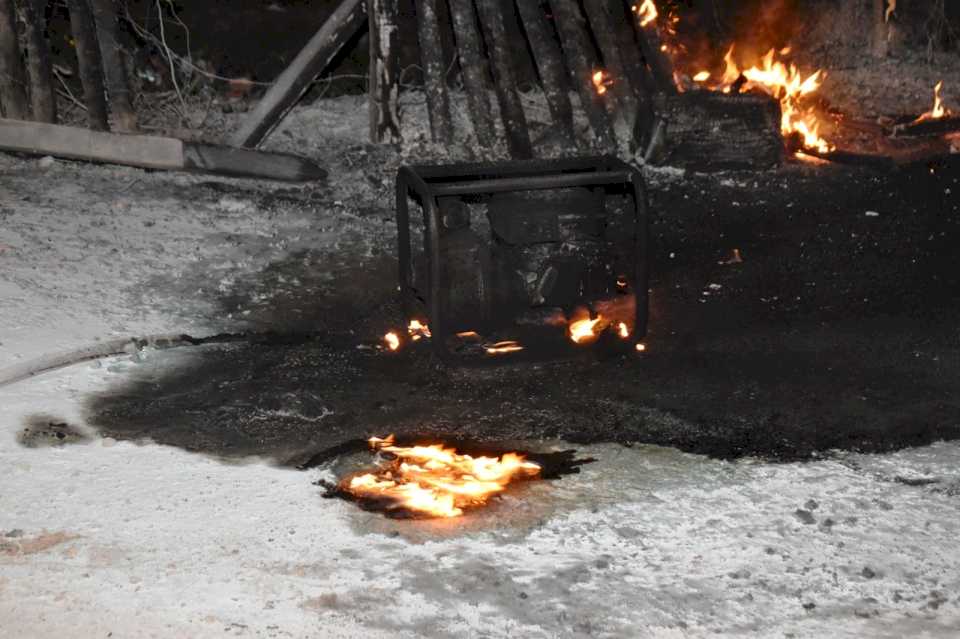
[(67, 93), (173, 71)]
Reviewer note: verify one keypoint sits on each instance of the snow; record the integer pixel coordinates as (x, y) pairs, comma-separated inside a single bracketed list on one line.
[(141, 540)]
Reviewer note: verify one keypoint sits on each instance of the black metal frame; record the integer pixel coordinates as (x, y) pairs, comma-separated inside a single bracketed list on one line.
[(428, 183)]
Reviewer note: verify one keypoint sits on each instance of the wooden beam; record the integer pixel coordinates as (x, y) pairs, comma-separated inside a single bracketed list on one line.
[(473, 69), (384, 86), (13, 78), (434, 72), (114, 69), (348, 18), (581, 60), (149, 152), (504, 79), (549, 60), (89, 63), (604, 32), (651, 45)]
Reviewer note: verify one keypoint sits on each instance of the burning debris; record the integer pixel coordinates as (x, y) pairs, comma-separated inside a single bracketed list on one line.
[(432, 480)]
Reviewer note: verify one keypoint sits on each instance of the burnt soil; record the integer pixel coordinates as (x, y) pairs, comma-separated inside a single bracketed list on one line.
[(838, 330)]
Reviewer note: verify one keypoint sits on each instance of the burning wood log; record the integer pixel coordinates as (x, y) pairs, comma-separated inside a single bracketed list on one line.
[(708, 131), (316, 55), (473, 68), (549, 60), (114, 69), (13, 78), (90, 64), (505, 83), (43, 100), (575, 41), (604, 31), (928, 127), (384, 71), (434, 72), (652, 47), (152, 152)]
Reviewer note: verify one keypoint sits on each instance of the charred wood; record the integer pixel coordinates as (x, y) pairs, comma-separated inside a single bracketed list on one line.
[(90, 64), (384, 71), (661, 68), (604, 31), (13, 77), (434, 72), (708, 131), (930, 127), (549, 61), (581, 60), (473, 67), (505, 81)]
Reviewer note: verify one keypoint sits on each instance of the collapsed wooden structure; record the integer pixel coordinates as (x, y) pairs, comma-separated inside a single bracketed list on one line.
[(609, 54)]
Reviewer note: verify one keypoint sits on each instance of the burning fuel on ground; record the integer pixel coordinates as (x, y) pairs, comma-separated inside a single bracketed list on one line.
[(433, 480)]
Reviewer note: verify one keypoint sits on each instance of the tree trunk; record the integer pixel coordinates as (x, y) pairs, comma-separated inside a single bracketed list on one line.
[(43, 99), (549, 61), (575, 41), (879, 43), (89, 63), (473, 68), (505, 81), (434, 72), (114, 68), (13, 78)]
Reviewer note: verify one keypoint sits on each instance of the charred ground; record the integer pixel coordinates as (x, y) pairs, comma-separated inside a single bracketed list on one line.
[(837, 330)]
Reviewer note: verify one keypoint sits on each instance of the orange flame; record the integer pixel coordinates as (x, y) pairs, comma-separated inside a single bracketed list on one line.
[(787, 84), (601, 80), (436, 481), (418, 329), (623, 330), (938, 111), (703, 76), (585, 330), (392, 340), (503, 347), (646, 12), (641, 347)]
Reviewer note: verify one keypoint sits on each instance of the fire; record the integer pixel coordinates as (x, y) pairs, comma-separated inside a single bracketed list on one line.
[(601, 80), (435, 481), (500, 348), (623, 330), (787, 84), (938, 111), (585, 330), (417, 330), (646, 12), (392, 340), (641, 347), (703, 76)]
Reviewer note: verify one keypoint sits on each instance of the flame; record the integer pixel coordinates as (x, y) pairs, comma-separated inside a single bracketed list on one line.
[(436, 481), (646, 12), (392, 340), (641, 347), (503, 347), (416, 329), (585, 330), (938, 111), (703, 76), (601, 80), (623, 330), (787, 84)]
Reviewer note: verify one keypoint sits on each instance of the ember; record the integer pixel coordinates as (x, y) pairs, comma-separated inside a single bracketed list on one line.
[(435, 481), (392, 340)]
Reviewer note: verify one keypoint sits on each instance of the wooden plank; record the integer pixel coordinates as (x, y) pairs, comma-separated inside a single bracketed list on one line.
[(384, 85), (505, 82), (348, 18), (434, 72), (43, 99), (549, 60), (473, 69), (13, 78), (114, 69), (930, 127), (605, 33), (89, 63), (149, 152)]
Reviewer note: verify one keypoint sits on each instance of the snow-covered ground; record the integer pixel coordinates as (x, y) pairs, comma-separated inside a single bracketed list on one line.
[(139, 540)]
